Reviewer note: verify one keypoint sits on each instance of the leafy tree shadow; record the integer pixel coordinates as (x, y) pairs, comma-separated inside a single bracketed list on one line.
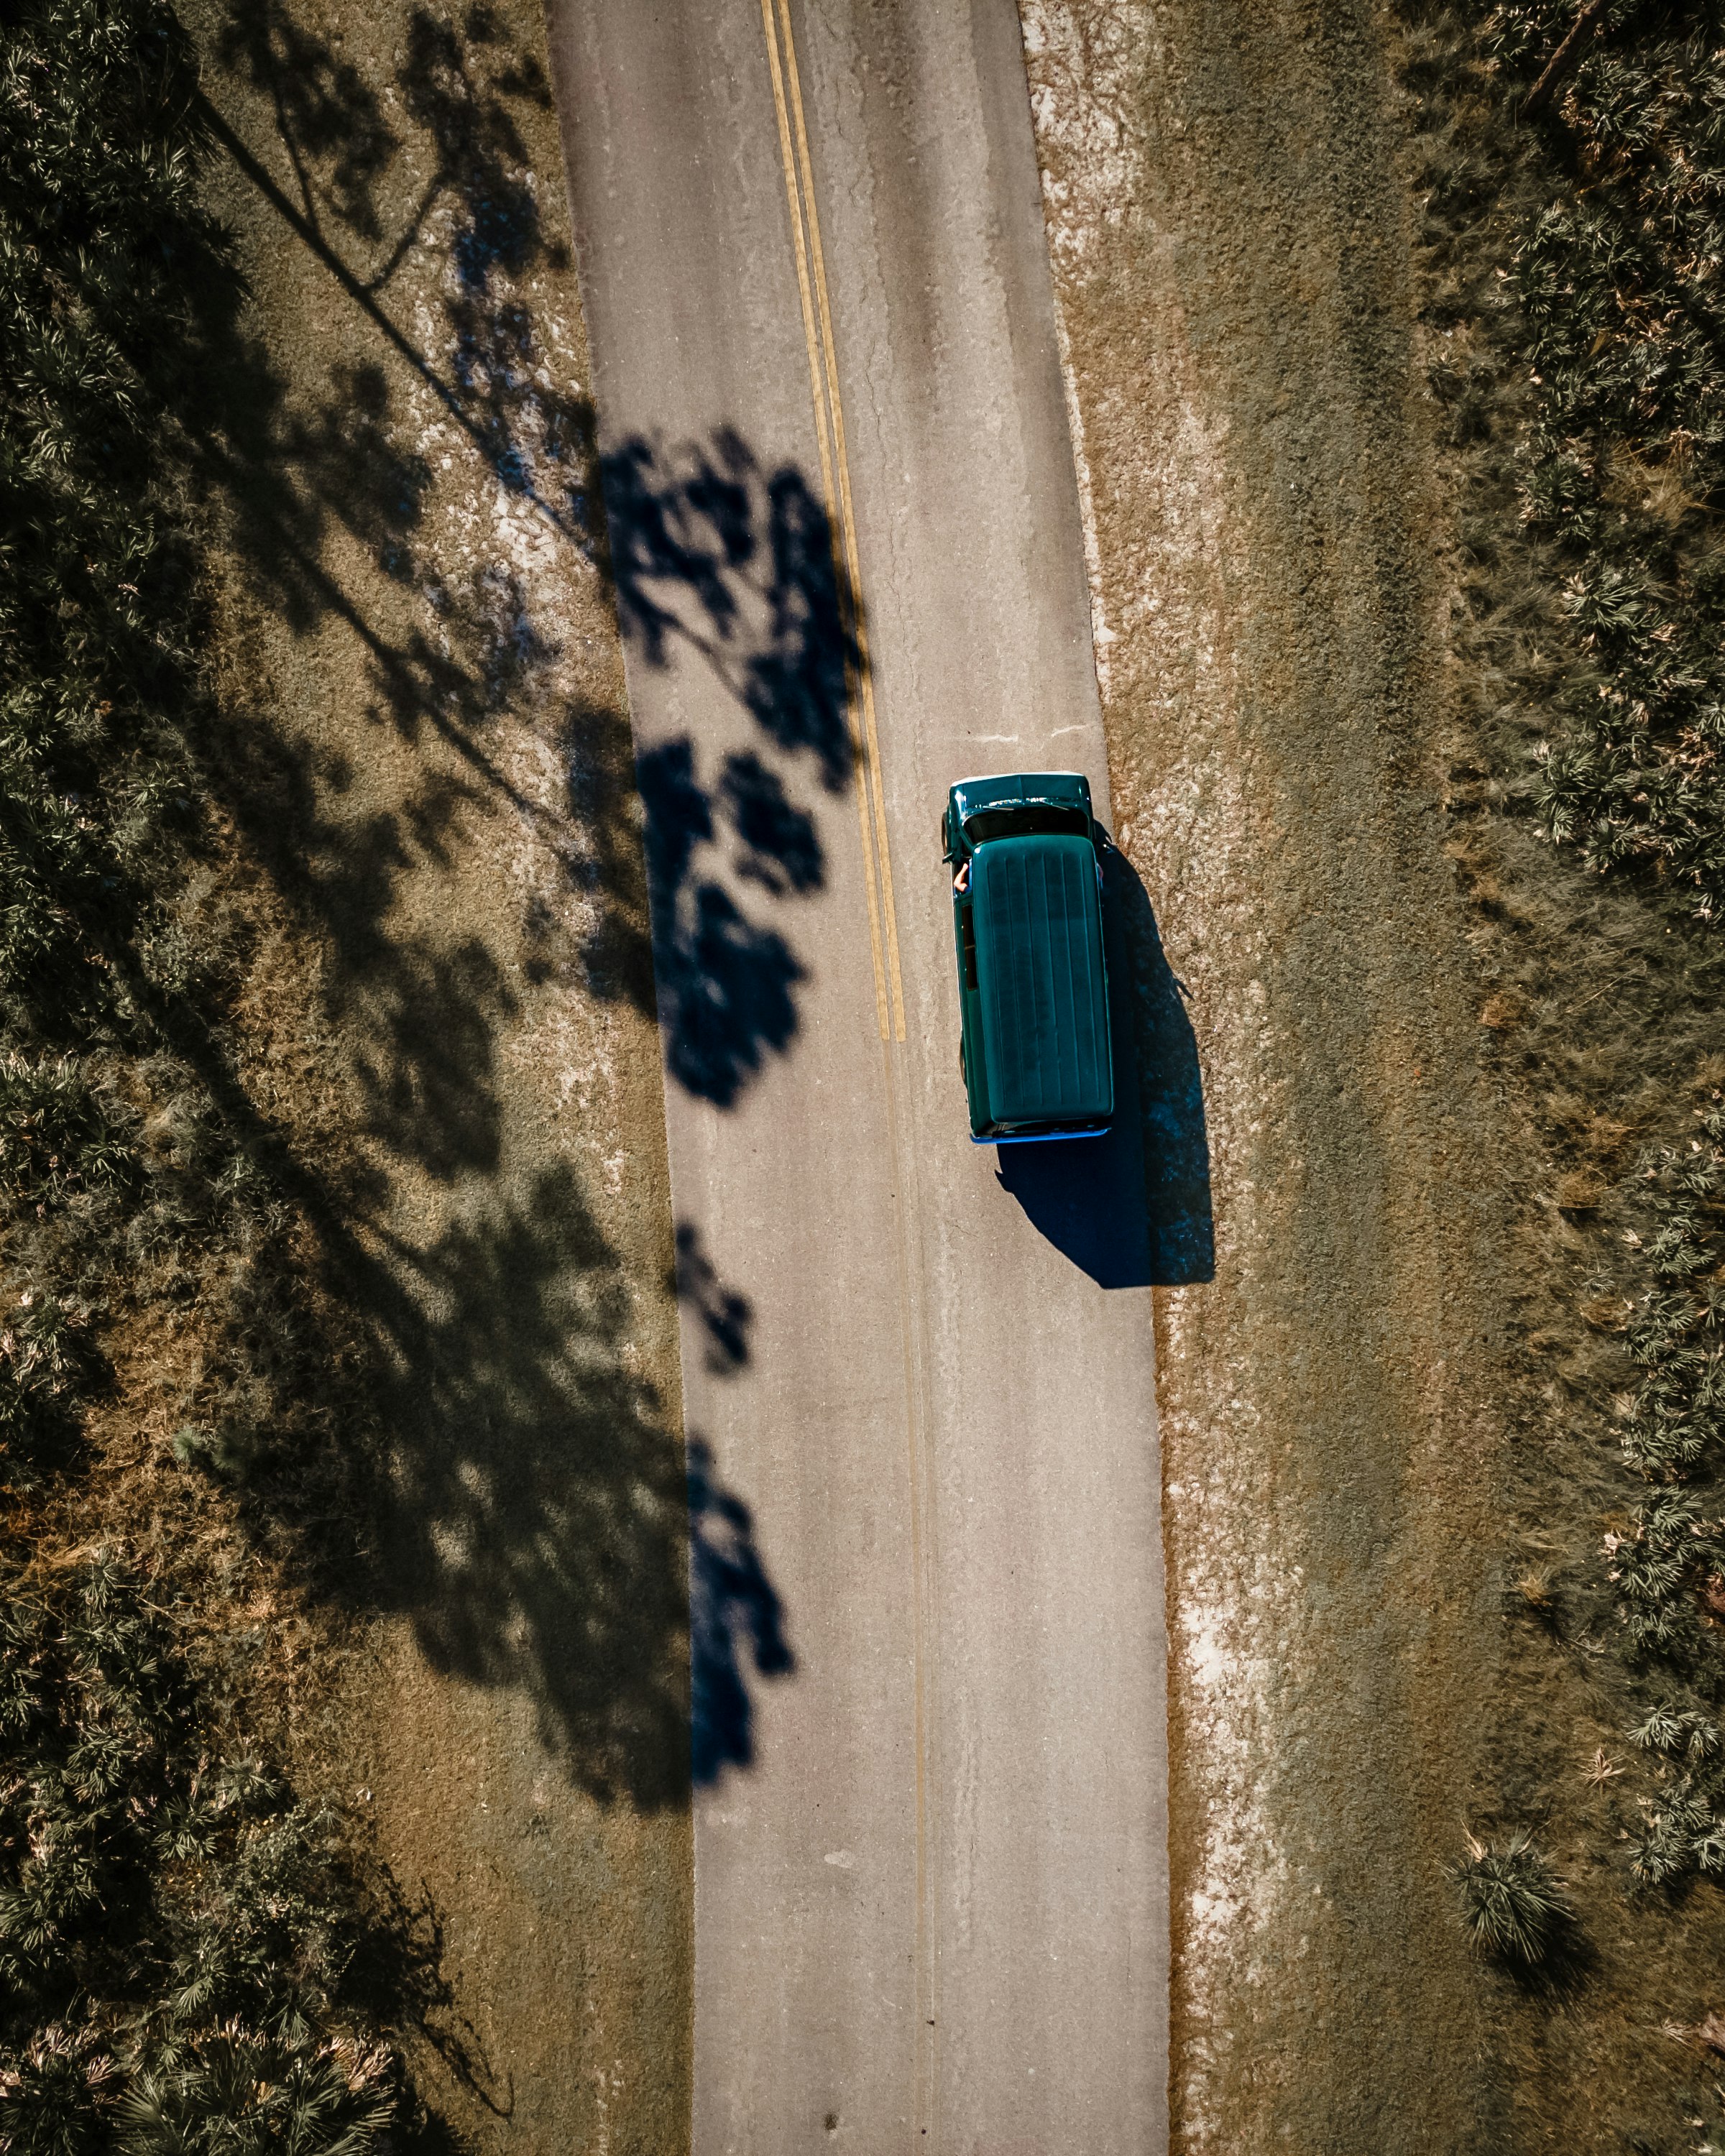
[(716, 560), (545, 1532), (456, 1427)]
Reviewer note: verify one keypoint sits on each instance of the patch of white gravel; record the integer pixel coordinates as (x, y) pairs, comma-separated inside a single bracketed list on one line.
[(1158, 588), (507, 583), (1082, 63)]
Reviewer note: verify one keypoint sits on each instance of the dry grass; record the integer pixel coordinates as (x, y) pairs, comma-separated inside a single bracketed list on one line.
[(164, 1253), (1585, 803)]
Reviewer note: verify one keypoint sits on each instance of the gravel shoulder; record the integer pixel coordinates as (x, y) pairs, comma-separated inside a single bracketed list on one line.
[(1228, 219)]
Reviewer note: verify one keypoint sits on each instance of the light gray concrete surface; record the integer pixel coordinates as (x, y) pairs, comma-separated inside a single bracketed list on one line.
[(930, 1871)]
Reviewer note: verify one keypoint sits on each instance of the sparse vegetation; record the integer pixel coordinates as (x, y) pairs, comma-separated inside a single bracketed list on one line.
[(1573, 352), (284, 1282), (1680, 1829), (1673, 1331), (1614, 283), (1512, 1903), (130, 1173), (191, 1958), (1571, 300), (185, 1951)]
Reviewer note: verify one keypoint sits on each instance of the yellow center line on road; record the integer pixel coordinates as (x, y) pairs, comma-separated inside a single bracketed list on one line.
[(877, 864), (835, 486)]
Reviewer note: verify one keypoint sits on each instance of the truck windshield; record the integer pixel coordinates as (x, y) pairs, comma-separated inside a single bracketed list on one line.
[(1029, 822)]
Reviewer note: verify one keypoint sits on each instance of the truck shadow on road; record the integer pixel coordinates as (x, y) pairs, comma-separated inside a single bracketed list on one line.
[(1131, 1209)]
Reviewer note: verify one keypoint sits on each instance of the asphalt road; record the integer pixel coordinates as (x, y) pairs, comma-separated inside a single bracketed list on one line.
[(926, 1581)]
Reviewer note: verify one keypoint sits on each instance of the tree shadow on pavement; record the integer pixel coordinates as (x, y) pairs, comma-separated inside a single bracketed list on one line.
[(719, 563), (736, 1619), (725, 1315), (545, 1529), (736, 1622), (709, 553), (1131, 1209)]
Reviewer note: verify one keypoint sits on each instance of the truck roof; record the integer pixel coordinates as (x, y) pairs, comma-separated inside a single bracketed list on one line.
[(1003, 789), (1037, 917)]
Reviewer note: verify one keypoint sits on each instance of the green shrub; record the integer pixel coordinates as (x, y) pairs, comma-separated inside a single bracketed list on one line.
[(1655, 1568), (44, 1354), (236, 2089), (58, 1136), (1676, 1330), (1678, 1733), (1612, 282), (1512, 1903), (55, 2094), (1679, 1835)]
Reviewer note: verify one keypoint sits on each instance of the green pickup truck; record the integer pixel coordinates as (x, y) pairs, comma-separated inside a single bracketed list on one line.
[(1032, 987)]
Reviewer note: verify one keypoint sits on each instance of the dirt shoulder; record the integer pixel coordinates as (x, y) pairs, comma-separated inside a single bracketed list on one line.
[(1233, 263), (431, 767)]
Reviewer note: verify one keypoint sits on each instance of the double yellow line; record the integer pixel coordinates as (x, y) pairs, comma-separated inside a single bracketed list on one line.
[(835, 486)]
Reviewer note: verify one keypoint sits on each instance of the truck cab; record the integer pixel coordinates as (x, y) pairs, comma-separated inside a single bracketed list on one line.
[(1035, 1049)]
